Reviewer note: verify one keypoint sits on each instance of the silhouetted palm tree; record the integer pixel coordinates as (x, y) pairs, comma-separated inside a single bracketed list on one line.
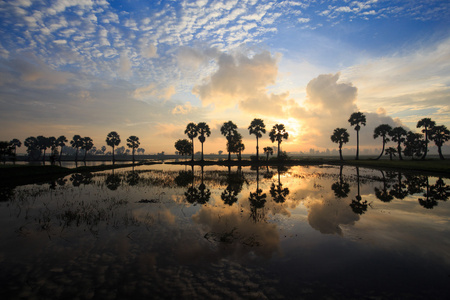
[(32, 147), (228, 129), (440, 134), (268, 151), (398, 135), (427, 124), (44, 144), (356, 119), (76, 142), (87, 145), (382, 130), (235, 145), (340, 136), (191, 131), (278, 133), (391, 151), (414, 145), (258, 128), (61, 142), (15, 143), (113, 140), (133, 143), (203, 129)]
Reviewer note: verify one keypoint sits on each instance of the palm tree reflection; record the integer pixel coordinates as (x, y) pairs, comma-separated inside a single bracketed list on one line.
[(277, 192), (199, 195), (235, 182), (341, 188), (358, 206), (383, 194), (257, 202)]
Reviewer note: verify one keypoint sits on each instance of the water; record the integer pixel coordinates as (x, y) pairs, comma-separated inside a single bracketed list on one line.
[(158, 232)]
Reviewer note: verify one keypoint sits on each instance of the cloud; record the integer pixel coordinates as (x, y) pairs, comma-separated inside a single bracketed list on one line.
[(154, 91), (182, 109), (238, 78)]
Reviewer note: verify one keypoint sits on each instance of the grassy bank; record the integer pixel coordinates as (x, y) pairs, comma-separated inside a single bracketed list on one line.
[(21, 174)]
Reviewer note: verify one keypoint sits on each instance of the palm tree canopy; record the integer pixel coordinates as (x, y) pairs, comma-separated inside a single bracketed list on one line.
[(257, 127), (426, 123), (203, 129), (398, 134), (133, 142), (113, 139), (15, 143), (440, 134), (61, 141), (76, 141), (87, 143), (356, 119), (268, 150), (278, 133), (382, 130), (191, 130), (228, 129), (340, 136)]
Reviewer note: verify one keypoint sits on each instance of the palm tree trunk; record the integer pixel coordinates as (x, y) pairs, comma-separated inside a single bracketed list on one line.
[(60, 153), (133, 155), (257, 149), (76, 155), (278, 151), (357, 144), (202, 151), (426, 144), (382, 151), (85, 154), (114, 159), (440, 153), (340, 152), (192, 140), (43, 158)]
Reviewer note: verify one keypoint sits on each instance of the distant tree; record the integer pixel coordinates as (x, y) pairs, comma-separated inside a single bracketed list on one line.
[(133, 143), (121, 151), (228, 129), (268, 151), (340, 136), (192, 132), (15, 143), (356, 119), (427, 125), (61, 142), (113, 140), (414, 145), (203, 132), (383, 131), (184, 147), (141, 150), (220, 152), (278, 133), (258, 128), (103, 149), (391, 151), (440, 134), (86, 145), (398, 135), (76, 142)]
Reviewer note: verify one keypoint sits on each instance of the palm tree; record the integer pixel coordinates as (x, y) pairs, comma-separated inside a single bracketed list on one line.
[(258, 128), (228, 129), (43, 143), (391, 151), (113, 140), (235, 144), (87, 145), (15, 143), (133, 143), (382, 130), (268, 151), (427, 124), (340, 136), (61, 142), (32, 147), (398, 135), (440, 134), (202, 130), (191, 132), (357, 118), (278, 133), (76, 142)]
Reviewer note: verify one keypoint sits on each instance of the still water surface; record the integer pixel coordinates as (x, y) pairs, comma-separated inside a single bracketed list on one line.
[(165, 232)]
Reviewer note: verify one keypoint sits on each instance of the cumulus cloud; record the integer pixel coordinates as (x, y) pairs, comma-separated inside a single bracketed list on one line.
[(182, 109), (154, 91), (239, 80)]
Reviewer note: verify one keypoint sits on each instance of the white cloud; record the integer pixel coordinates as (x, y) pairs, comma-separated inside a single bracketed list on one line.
[(182, 109)]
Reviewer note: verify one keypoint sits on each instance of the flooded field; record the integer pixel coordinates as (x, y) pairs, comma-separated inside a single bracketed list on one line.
[(172, 232)]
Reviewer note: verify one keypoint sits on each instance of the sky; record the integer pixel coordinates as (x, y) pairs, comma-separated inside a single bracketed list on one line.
[(148, 68)]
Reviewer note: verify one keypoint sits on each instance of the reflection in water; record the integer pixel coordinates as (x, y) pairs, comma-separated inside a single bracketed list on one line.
[(133, 233)]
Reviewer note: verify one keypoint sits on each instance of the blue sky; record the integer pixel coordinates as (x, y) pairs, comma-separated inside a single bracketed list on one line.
[(148, 68)]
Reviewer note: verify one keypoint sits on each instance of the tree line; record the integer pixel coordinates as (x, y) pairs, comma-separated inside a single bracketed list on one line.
[(233, 137), (37, 146), (414, 144)]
